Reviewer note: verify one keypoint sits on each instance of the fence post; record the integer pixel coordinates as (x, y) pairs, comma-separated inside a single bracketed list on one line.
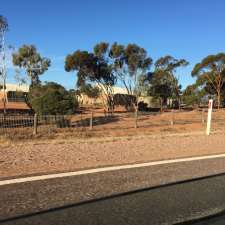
[(91, 121), (209, 117), (203, 119), (172, 118), (136, 118), (35, 124)]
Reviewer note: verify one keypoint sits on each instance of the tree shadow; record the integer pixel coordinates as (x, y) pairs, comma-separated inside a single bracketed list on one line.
[(99, 120)]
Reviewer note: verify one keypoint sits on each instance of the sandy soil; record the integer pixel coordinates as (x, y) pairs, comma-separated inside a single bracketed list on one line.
[(28, 158), (121, 124)]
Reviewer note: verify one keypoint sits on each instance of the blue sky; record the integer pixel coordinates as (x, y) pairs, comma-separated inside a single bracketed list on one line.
[(189, 29)]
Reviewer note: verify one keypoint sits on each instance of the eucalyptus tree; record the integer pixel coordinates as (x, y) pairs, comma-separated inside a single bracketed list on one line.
[(165, 69), (129, 62), (210, 73), (92, 92), (94, 67), (28, 58), (193, 95)]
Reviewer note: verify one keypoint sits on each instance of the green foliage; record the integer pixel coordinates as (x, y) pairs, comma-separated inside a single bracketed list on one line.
[(129, 62), (101, 49), (52, 98), (162, 83), (90, 67), (29, 59), (4, 26), (192, 95), (210, 73), (93, 67), (169, 64), (160, 87), (165, 68), (91, 92), (136, 59)]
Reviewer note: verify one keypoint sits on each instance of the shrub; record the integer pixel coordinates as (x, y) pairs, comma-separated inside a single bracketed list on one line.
[(52, 99)]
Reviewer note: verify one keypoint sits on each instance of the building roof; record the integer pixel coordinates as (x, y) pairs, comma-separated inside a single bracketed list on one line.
[(119, 90), (116, 89), (17, 87)]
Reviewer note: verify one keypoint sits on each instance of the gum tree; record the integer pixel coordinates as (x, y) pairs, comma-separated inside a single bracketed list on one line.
[(165, 69), (94, 67), (28, 58), (210, 73), (129, 62)]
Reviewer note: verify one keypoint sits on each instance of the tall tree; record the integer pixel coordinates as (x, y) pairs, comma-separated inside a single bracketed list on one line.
[(94, 67), (29, 59), (165, 69), (129, 62), (210, 73)]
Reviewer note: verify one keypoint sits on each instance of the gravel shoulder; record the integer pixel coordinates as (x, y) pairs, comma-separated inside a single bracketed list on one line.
[(32, 158)]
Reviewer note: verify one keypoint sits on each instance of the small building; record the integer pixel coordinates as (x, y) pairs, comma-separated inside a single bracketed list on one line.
[(122, 100), (13, 98), (85, 100)]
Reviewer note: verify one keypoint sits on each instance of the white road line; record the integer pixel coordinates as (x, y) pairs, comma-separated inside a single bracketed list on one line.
[(105, 169)]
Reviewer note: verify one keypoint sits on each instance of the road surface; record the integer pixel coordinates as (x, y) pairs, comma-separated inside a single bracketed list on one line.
[(218, 220), (144, 195)]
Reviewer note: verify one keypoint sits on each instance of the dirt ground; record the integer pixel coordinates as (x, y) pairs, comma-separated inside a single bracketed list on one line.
[(121, 124), (60, 155)]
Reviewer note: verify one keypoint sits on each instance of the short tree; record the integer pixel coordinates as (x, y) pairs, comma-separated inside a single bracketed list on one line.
[(51, 99), (29, 59)]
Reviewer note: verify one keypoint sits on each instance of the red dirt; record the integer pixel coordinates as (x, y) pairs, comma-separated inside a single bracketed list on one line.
[(31, 158)]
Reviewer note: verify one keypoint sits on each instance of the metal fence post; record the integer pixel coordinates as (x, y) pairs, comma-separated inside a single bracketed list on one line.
[(203, 119), (172, 118), (91, 121), (35, 124), (136, 118)]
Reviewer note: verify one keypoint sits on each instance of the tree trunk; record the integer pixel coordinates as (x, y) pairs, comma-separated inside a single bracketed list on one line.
[(161, 105), (179, 102), (218, 99), (136, 117), (5, 96)]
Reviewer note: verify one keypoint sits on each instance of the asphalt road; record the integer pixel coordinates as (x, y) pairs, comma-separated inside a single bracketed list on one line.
[(131, 196), (220, 220)]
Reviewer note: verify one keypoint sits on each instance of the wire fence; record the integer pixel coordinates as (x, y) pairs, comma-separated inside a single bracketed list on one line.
[(100, 123)]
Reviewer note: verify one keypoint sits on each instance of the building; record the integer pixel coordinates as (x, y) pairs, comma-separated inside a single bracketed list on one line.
[(122, 98), (14, 98)]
